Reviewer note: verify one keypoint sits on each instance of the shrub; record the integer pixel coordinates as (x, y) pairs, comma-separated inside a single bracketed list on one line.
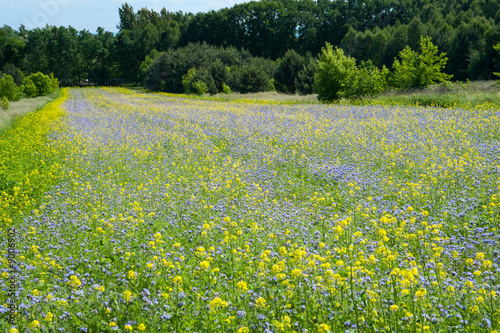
[(419, 70), (9, 89), (4, 103), (331, 73), (42, 82), (200, 87), (187, 80), (28, 88), (226, 89), (365, 80)]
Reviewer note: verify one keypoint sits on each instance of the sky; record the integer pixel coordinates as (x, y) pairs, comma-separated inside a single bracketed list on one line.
[(90, 14)]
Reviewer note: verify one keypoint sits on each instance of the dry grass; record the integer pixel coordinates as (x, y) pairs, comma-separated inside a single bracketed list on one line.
[(269, 96), (22, 107)]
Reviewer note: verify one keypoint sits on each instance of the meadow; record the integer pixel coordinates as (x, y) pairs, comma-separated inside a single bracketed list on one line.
[(143, 212)]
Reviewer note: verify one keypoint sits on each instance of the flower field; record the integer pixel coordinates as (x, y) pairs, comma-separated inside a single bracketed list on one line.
[(186, 215)]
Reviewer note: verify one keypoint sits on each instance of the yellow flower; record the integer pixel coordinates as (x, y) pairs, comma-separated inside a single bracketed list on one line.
[(260, 302), (128, 327), (141, 327), (394, 307), (242, 286), (205, 264), (323, 328), (296, 272), (178, 280), (108, 310), (49, 316), (13, 330), (127, 295), (35, 324), (112, 324), (243, 330), (131, 275)]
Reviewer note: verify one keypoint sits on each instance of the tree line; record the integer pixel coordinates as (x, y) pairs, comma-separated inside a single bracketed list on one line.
[(247, 44)]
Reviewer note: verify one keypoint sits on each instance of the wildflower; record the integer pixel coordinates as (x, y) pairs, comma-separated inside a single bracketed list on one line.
[(394, 307), (131, 275), (178, 280), (296, 272), (323, 328), (127, 295), (141, 327), (260, 302), (242, 286), (49, 316), (128, 327), (75, 282), (243, 330), (205, 264), (35, 324), (112, 324), (13, 330)]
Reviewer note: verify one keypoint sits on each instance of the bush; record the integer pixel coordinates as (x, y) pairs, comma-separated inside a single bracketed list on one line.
[(42, 83), (9, 89), (419, 70), (188, 79), (4, 103), (28, 88), (331, 73), (365, 80), (226, 89), (200, 87)]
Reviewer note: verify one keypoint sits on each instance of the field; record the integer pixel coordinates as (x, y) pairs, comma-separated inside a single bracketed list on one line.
[(151, 213)]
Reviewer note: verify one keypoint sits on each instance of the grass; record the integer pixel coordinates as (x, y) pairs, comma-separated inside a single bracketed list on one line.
[(22, 107), (446, 95)]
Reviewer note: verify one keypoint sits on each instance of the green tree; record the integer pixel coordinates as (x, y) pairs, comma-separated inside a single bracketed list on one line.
[(305, 77), (288, 69), (9, 89), (365, 80), (15, 72), (418, 70), (331, 73)]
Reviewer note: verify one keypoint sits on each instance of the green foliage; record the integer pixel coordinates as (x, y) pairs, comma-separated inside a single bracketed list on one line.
[(200, 87), (28, 88), (42, 83), (214, 66), (188, 79), (4, 103), (332, 71), (497, 47), (9, 89), (419, 70), (272, 84), (15, 72), (365, 80), (305, 77), (226, 89), (286, 74)]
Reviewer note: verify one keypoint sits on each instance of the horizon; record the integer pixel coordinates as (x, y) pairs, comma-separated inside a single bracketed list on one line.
[(91, 14)]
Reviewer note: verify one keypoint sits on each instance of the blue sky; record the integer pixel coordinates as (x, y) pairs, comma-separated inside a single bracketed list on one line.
[(90, 14)]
